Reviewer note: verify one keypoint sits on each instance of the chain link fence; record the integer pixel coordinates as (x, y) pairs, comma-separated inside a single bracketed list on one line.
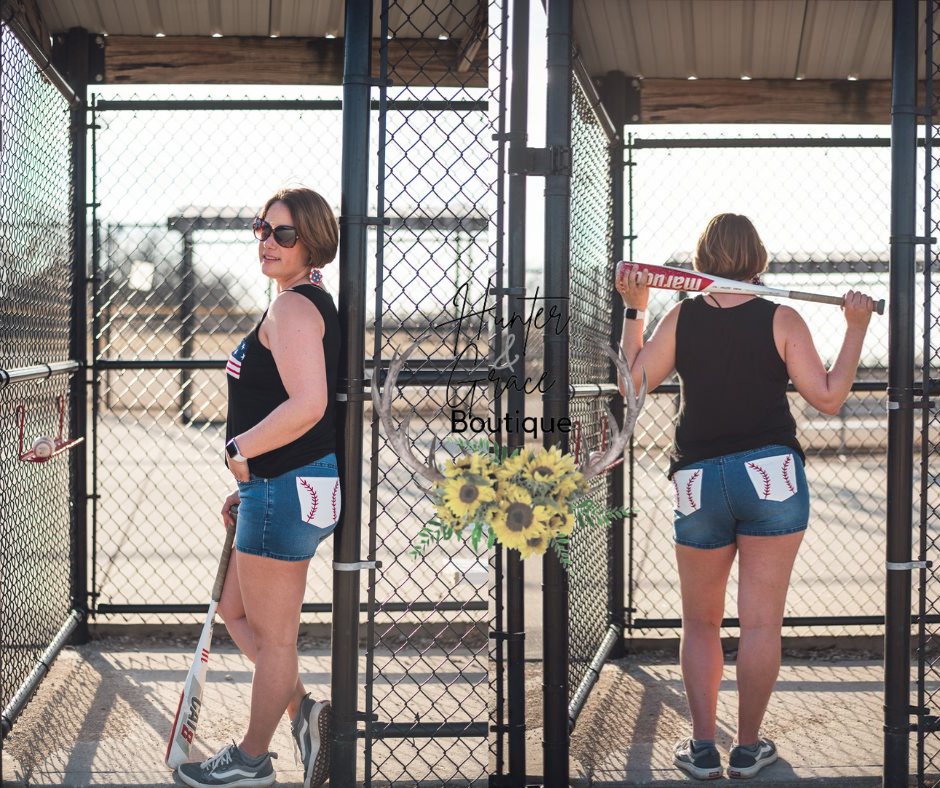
[(428, 652), (177, 182), (35, 288), (926, 542), (590, 580), (836, 241)]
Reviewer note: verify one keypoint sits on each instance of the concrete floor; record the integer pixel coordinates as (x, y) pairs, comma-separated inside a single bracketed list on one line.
[(103, 714)]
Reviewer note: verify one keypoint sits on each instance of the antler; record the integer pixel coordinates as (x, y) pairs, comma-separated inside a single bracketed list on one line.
[(619, 438), (398, 437)]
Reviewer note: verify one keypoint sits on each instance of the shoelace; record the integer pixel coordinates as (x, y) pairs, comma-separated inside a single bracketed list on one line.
[(221, 758), (296, 752)]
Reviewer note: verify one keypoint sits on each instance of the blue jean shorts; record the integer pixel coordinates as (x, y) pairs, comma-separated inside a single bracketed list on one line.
[(760, 492), (288, 516)]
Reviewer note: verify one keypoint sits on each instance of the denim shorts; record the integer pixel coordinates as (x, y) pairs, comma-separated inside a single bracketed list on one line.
[(288, 516), (760, 492)]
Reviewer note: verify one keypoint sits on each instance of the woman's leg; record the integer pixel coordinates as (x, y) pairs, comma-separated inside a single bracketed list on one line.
[(272, 593), (232, 611), (764, 576), (703, 576)]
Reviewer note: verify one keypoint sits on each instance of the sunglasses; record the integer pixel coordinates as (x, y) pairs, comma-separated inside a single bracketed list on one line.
[(284, 235)]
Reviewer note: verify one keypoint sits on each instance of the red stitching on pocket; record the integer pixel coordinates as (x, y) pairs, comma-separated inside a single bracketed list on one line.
[(688, 489), (335, 490), (313, 496), (765, 476), (786, 476)]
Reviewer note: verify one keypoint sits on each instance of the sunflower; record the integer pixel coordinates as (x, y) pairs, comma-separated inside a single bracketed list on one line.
[(567, 486), (562, 522), (517, 520), (463, 496), (513, 465), (446, 518), (475, 464), (549, 465), (535, 545)]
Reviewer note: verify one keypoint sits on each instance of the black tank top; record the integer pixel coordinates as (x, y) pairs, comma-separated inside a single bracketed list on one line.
[(733, 382), (255, 389)]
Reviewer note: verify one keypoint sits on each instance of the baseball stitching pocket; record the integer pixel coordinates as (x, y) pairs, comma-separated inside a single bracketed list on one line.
[(687, 490), (320, 500), (774, 478)]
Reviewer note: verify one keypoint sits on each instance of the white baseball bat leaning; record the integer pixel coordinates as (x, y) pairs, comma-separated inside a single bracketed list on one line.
[(187, 713), (668, 278)]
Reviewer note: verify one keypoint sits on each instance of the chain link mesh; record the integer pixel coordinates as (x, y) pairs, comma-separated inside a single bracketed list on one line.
[(178, 279), (816, 245), (35, 288), (927, 541), (591, 287), (429, 663)]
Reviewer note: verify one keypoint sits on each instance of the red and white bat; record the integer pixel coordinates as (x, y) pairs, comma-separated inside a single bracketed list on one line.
[(187, 713), (668, 278)]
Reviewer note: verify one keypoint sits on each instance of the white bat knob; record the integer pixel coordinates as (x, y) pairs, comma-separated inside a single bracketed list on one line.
[(43, 447)]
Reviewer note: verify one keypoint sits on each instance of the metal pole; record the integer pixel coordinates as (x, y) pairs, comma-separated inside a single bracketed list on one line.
[(353, 270), (75, 97), (555, 400), (78, 389), (613, 92), (900, 393), (515, 399), (187, 324)]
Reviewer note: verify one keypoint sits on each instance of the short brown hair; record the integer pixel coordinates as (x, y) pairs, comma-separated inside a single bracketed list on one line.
[(314, 221), (730, 247)]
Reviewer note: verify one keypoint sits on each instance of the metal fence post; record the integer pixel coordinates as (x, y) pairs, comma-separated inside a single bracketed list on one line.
[(352, 311), (900, 393), (555, 401), (613, 93), (515, 400), (78, 388)]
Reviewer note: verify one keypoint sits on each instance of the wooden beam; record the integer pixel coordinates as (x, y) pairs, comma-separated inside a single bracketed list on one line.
[(765, 101), (29, 13), (234, 60)]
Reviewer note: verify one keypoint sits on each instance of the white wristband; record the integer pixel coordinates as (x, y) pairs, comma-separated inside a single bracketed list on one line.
[(633, 314)]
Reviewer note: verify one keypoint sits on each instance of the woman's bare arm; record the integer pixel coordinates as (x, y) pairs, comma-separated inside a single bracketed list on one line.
[(826, 390)]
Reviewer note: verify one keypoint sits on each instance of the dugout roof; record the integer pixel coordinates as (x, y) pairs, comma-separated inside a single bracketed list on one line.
[(821, 61)]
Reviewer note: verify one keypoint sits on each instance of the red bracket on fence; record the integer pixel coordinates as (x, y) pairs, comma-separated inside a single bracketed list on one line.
[(577, 445), (44, 449)]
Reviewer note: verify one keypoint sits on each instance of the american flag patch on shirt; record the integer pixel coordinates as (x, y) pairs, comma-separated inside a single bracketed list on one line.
[(234, 364)]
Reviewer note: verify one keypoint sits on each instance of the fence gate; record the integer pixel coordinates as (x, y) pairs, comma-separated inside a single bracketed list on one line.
[(42, 387), (176, 287), (428, 689)]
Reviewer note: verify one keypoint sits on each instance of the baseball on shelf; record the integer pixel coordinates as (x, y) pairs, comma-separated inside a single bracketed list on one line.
[(43, 447)]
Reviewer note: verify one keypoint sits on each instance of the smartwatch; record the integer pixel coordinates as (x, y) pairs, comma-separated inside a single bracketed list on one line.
[(231, 449), (629, 313)]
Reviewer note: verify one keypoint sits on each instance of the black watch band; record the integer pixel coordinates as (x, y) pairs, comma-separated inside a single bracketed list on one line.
[(231, 449), (629, 313)]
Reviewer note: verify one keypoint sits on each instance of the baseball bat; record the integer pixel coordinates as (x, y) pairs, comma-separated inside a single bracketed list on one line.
[(668, 278), (187, 713)]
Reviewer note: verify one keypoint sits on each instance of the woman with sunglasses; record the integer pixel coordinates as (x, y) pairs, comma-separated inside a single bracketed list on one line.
[(739, 488), (280, 447)]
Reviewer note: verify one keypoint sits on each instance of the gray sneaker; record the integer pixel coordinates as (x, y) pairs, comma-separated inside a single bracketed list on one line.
[(703, 764), (230, 767), (746, 762), (311, 729)]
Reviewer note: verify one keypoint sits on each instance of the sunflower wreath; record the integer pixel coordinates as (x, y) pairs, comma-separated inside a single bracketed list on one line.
[(526, 500)]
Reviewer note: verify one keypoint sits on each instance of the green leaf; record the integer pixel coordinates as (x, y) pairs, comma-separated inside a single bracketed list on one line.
[(476, 535)]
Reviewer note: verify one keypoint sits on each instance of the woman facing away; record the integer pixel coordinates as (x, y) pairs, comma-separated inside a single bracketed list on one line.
[(737, 471), (280, 447)]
